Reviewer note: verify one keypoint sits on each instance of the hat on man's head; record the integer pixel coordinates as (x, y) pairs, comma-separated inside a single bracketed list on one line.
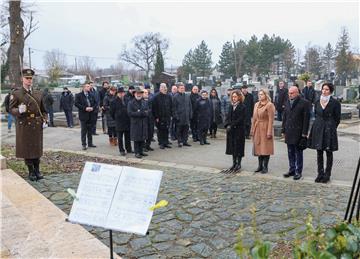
[(138, 90), (131, 87), (28, 72), (65, 88), (244, 86), (120, 89), (238, 86)]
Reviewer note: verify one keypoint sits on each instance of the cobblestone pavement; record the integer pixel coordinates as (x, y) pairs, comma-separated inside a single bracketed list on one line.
[(206, 210)]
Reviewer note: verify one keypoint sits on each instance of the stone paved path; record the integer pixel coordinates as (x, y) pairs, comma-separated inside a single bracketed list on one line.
[(206, 210)]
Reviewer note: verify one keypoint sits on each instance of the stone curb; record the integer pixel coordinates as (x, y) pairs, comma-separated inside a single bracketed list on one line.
[(306, 180), (33, 227)]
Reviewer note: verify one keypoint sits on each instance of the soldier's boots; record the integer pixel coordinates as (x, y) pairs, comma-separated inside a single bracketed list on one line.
[(32, 175), (37, 172)]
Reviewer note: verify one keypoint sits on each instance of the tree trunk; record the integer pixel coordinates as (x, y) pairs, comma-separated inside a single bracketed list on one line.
[(16, 49)]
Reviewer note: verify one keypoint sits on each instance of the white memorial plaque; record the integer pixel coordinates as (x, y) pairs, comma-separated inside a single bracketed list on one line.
[(116, 197)]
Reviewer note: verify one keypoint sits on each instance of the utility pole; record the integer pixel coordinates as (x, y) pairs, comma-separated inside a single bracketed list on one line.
[(29, 57), (75, 65)]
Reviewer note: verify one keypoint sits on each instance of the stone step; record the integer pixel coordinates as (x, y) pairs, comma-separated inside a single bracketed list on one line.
[(33, 227)]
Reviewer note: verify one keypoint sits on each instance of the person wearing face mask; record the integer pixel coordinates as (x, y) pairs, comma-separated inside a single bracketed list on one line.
[(138, 112), (203, 111), (235, 129), (323, 133), (66, 104)]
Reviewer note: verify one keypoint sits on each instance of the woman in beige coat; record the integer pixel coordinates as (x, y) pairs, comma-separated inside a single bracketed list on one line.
[(262, 130)]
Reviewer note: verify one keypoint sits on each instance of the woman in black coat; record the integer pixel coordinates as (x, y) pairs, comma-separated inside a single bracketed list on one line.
[(203, 111), (235, 129), (323, 134), (215, 105)]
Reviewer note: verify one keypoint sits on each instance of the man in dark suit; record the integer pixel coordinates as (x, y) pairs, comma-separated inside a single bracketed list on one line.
[(182, 113), (309, 94), (86, 104), (249, 105), (281, 99), (295, 126), (162, 114)]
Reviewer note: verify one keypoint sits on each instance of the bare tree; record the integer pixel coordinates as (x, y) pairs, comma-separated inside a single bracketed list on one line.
[(116, 69), (143, 53), (86, 65), (55, 64), (14, 31)]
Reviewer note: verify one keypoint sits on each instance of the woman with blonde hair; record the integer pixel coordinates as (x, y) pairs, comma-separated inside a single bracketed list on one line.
[(262, 130), (235, 129)]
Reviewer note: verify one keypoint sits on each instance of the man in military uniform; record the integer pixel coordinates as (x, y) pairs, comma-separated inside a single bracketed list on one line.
[(26, 104)]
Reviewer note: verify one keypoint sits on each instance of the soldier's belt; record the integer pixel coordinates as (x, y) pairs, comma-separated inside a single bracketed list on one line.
[(33, 116)]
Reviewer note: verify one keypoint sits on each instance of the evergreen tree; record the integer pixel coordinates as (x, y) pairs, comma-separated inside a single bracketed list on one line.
[(313, 62), (252, 56), (187, 65), (159, 63), (328, 58), (226, 63), (201, 60), (344, 61)]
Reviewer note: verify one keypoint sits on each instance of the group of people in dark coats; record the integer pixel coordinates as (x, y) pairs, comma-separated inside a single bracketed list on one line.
[(323, 133)]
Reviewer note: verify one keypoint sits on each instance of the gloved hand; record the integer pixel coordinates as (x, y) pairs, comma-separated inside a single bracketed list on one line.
[(22, 108)]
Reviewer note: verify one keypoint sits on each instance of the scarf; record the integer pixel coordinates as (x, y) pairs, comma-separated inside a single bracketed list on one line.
[(324, 100), (235, 105)]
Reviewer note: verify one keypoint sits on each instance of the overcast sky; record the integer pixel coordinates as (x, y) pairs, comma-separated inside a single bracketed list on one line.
[(100, 29)]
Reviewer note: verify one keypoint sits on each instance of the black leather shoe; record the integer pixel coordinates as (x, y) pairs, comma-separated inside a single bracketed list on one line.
[(138, 156), (162, 147), (288, 174), (84, 147), (187, 144), (122, 153), (92, 145), (206, 143), (130, 152), (150, 149), (95, 134), (180, 145), (297, 176), (143, 154), (167, 146)]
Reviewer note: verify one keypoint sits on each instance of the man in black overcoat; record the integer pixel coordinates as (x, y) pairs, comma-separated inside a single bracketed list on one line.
[(118, 111), (281, 99), (182, 113), (138, 112), (295, 126), (86, 104), (161, 108), (249, 105)]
